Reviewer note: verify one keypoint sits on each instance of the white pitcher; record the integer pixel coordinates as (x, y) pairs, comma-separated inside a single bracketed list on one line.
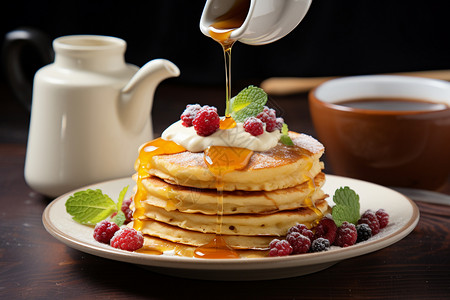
[(90, 113), (266, 21)]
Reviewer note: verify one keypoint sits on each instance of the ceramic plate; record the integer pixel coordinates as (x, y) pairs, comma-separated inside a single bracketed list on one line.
[(404, 216)]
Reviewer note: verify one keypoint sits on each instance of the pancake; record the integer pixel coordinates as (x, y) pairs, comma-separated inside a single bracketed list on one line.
[(190, 200), (193, 238), (278, 168), (274, 224), (154, 245)]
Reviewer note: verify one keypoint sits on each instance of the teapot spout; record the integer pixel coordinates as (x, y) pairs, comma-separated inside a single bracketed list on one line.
[(136, 100)]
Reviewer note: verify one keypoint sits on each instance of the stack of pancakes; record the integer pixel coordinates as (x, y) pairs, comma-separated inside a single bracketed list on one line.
[(276, 190)]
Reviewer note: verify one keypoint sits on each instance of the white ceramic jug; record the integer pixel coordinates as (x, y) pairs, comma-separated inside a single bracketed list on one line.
[(90, 113), (266, 21)]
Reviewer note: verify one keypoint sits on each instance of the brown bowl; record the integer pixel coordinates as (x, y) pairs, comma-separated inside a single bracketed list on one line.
[(408, 148)]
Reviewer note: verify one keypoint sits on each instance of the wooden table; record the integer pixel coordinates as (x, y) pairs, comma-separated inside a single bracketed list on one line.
[(34, 265)]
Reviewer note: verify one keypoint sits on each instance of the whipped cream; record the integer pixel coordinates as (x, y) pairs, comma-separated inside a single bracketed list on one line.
[(234, 137)]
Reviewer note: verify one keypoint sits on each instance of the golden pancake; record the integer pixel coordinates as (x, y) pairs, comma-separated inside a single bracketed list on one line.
[(194, 238), (192, 200), (273, 224), (278, 168)]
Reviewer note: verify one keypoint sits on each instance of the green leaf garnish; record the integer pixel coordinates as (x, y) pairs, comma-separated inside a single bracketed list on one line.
[(90, 206), (121, 196), (249, 102), (347, 206), (119, 218), (285, 138)]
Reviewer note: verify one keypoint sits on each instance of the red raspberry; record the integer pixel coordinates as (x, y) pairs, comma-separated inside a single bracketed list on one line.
[(369, 218), (279, 248), (104, 231), (383, 217), (301, 228), (268, 116), (189, 114), (279, 125), (206, 121), (346, 235), (254, 126), (326, 229), (127, 239), (299, 242), (127, 211)]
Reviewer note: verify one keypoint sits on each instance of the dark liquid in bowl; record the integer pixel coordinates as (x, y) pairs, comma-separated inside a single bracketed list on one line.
[(394, 104)]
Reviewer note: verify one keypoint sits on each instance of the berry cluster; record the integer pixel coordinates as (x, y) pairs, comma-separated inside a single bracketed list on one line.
[(205, 119), (124, 238), (268, 117), (300, 239)]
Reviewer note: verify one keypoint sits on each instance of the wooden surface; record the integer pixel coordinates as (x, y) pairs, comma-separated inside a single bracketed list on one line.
[(34, 265)]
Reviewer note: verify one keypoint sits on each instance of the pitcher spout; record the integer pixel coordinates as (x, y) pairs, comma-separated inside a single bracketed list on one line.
[(136, 97)]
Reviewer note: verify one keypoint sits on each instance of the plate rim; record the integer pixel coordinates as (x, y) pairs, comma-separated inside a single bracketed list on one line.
[(178, 262)]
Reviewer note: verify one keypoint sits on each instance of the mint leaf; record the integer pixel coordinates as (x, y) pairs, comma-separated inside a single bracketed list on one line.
[(347, 206), (121, 196), (119, 218), (90, 206), (249, 102), (285, 138)]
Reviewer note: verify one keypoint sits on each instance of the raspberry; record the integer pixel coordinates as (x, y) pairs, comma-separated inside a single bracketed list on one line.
[(127, 239), (279, 248), (346, 235), (320, 244), (326, 229), (189, 114), (279, 124), (104, 231), (254, 126), (206, 121), (363, 232), (299, 242), (369, 218), (383, 217), (127, 211), (301, 228), (268, 116)]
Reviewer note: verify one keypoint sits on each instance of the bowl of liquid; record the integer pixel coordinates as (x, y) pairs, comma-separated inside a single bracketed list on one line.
[(391, 130)]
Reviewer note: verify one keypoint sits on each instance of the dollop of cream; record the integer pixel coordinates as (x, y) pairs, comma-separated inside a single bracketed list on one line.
[(234, 137)]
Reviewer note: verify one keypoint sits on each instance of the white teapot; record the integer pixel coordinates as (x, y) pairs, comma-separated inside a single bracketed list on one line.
[(90, 113)]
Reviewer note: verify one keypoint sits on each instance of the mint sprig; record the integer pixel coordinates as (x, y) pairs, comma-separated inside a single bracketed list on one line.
[(285, 138), (92, 206), (249, 102), (347, 206)]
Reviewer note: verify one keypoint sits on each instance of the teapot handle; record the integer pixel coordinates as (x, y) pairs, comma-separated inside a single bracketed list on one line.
[(15, 44)]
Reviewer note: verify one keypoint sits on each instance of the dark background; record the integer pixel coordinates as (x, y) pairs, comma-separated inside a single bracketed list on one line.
[(336, 37)]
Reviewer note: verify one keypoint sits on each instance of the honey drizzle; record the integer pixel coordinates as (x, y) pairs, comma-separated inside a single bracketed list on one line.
[(220, 161), (143, 165)]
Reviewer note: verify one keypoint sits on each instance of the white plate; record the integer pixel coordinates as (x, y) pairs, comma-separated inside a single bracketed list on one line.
[(404, 216)]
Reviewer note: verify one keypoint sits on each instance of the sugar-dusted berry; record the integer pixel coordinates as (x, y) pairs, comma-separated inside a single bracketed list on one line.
[(299, 242), (301, 228), (268, 117), (369, 218), (383, 217), (127, 210), (254, 126), (279, 123), (189, 114), (127, 239), (320, 244), (104, 231), (206, 121), (279, 248), (363, 232), (326, 229), (346, 235)]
